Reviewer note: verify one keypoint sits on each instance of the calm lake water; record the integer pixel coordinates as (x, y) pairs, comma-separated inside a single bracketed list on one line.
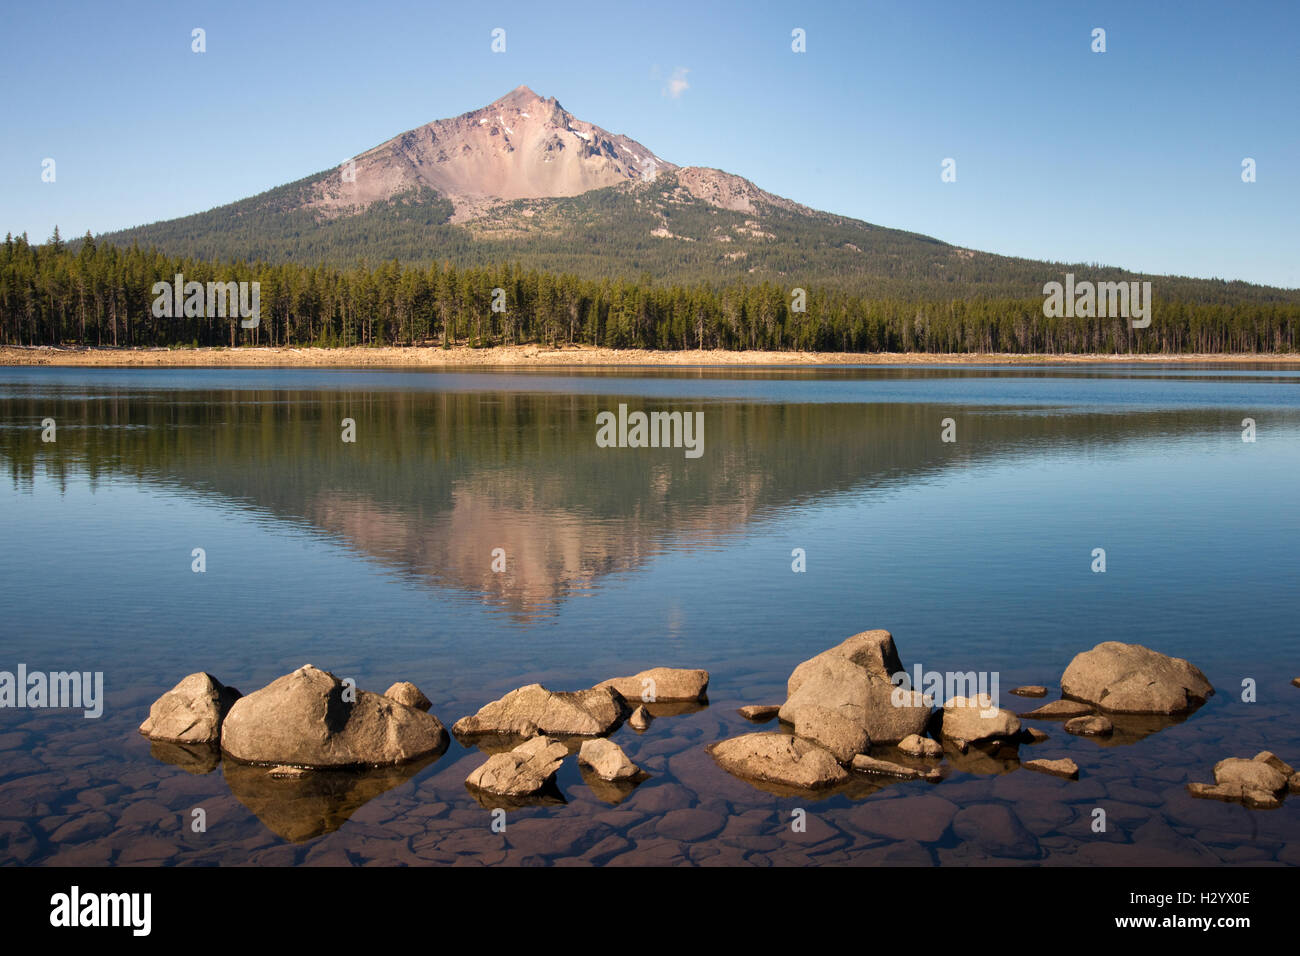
[(373, 560)]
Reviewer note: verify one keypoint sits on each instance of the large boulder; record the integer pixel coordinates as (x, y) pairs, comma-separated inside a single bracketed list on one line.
[(846, 695), (975, 719), (303, 720), (1132, 679), (779, 758), (661, 684), (528, 768), (535, 710), (191, 712)]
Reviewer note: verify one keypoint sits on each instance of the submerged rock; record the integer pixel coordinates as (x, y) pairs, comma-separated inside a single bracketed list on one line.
[(1065, 767), (303, 720), (918, 746), (191, 712), (996, 829), (640, 719), (1060, 710), (661, 684), (583, 713), (887, 768), (759, 713), (287, 773), (521, 772), (1091, 726), (973, 719), (607, 760), (853, 682), (404, 692), (1030, 690), (779, 758), (1130, 678)]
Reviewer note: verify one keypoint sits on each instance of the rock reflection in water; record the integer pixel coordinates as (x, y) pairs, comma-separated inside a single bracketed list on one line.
[(319, 801)]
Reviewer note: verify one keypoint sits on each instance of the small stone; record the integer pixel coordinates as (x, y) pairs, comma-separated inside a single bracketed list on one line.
[(1030, 690), (1035, 736), (917, 746), (640, 719), (404, 692), (283, 772), (977, 718), (607, 760), (1295, 681), (584, 713), (192, 712), (661, 684), (1058, 768), (779, 758), (1060, 710), (1094, 726), (760, 713), (865, 764), (525, 770)]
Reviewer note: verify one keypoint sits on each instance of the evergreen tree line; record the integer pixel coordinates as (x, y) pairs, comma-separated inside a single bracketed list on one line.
[(102, 295)]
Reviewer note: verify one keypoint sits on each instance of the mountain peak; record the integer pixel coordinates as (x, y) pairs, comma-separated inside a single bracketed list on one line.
[(520, 146), (520, 94)]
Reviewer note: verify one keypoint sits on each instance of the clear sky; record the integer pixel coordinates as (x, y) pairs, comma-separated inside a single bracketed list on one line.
[(1130, 157)]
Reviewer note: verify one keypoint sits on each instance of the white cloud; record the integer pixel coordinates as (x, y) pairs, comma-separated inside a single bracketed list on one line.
[(677, 84)]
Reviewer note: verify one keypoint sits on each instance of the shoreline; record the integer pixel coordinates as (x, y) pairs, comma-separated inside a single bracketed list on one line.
[(505, 356)]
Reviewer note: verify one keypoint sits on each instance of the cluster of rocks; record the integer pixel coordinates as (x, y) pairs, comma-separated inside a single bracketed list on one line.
[(533, 729), (1260, 782), (308, 719), (845, 715), (309, 722), (844, 703)]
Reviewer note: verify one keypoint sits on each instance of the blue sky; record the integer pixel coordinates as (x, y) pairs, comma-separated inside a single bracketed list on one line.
[(1130, 157)]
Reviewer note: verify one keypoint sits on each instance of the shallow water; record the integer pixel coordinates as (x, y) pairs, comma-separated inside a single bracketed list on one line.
[(373, 560)]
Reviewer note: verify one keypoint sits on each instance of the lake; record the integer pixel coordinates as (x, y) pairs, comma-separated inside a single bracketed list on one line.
[(373, 559)]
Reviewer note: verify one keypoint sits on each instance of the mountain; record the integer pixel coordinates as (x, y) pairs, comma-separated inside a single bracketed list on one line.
[(522, 180), (519, 147)]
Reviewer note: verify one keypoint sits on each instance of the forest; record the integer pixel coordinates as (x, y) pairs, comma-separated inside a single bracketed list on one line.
[(100, 294)]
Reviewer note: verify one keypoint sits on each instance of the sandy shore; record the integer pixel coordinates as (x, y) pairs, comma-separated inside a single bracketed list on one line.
[(531, 355)]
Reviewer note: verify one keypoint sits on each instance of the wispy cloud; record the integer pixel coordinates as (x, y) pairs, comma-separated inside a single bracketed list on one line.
[(677, 84)]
